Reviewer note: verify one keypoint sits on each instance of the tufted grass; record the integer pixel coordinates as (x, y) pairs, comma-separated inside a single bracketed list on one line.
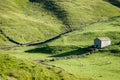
[(16, 69)]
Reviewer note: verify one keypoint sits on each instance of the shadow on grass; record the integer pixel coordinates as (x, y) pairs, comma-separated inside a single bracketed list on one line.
[(74, 52), (46, 50), (114, 2), (54, 8), (58, 51), (41, 49), (115, 51)]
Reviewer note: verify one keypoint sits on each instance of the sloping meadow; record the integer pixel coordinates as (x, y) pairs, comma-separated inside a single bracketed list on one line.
[(30, 21), (16, 69)]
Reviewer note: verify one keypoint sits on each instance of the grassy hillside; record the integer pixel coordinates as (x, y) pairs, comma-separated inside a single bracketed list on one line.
[(4, 41), (99, 66), (103, 65), (15, 69), (29, 21), (85, 36), (76, 40)]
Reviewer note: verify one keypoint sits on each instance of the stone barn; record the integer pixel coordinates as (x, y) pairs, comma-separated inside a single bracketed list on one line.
[(101, 42)]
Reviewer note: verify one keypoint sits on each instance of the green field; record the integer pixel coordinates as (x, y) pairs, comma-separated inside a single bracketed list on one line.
[(99, 66), (16, 69), (31, 21), (103, 65)]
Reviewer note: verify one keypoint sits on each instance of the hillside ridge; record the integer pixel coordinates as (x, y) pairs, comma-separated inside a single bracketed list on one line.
[(33, 21), (55, 37)]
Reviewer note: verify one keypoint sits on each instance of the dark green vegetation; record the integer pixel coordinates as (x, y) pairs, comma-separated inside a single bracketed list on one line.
[(114, 2)]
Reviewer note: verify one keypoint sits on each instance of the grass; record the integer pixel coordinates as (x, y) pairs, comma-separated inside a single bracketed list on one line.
[(20, 23), (99, 66), (29, 22), (85, 37), (16, 69), (72, 43), (3, 41), (103, 65), (21, 53), (38, 52)]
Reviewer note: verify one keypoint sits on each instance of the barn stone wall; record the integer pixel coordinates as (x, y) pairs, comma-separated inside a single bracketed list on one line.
[(101, 43), (105, 43)]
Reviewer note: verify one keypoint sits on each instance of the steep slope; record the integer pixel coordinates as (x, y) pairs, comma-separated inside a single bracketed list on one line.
[(4, 41), (114, 2), (86, 36), (15, 69), (29, 21), (26, 22)]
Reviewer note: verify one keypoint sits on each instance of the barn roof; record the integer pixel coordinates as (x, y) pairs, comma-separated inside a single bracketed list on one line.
[(103, 38)]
